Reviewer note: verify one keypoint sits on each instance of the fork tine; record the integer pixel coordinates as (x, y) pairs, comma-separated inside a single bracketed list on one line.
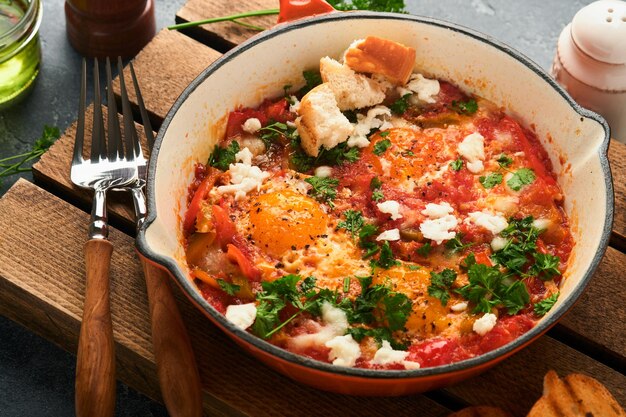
[(142, 109), (98, 146), (133, 149), (80, 128), (115, 146)]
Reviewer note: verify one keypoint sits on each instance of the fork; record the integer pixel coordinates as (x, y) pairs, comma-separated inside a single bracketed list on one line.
[(107, 167), (176, 365)]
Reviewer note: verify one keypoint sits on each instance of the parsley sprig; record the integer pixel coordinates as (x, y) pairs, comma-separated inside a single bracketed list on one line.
[(381, 146), (338, 155), (324, 189), (15, 164), (520, 178), (221, 158), (468, 107), (375, 186), (545, 305), (400, 106), (440, 283), (353, 222)]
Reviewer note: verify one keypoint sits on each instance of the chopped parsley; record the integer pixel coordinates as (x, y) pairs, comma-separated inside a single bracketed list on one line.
[(273, 132), (393, 6), (400, 106), (324, 189), (546, 266), (386, 259), (338, 155), (384, 134), (468, 107), (228, 288), (490, 180), (346, 284), (375, 185), (504, 161), (455, 245), (489, 289), (371, 247), (312, 80), (440, 283), (353, 223), (520, 178), (545, 305), (381, 146), (425, 249), (221, 158), (456, 164)]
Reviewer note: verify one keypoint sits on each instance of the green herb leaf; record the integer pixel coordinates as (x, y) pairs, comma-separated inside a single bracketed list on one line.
[(15, 164), (400, 106), (324, 189), (378, 195), (228, 288), (456, 164), (375, 183), (221, 158), (425, 249), (520, 178), (353, 223), (491, 180), (386, 259), (468, 107), (504, 161), (397, 308), (384, 134), (440, 283), (455, 245), (346, 284), (273, 132), (545, 305), (394, 6), (546, 266), (312, 80), (381, 146)]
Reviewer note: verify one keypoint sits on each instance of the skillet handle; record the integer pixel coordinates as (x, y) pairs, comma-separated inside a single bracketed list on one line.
[(176, 365), (95, 362), (291, 10)]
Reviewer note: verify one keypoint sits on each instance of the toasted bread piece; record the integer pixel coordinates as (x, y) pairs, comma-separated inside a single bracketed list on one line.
[(321, 123), (352, 90), (481, 411), (576, 395), (381, 56)]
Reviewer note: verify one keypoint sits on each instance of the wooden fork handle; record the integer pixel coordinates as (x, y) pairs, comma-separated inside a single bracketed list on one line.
[(95, 366), (176, 364)]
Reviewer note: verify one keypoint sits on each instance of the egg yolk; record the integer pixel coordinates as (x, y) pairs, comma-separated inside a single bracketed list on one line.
[(286, 220)]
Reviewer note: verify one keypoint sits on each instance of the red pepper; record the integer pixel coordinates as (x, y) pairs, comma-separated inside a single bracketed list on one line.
[(237, 118), (245, 264), (200, 194), (224, 226)]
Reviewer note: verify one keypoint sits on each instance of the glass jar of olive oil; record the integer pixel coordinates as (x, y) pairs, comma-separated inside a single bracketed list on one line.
[(20, 52)]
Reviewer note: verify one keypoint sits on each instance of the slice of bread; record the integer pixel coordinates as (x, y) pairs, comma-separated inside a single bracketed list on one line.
[(352, 90), (576, 395), (381, 56), (481, 411), (321, 123)]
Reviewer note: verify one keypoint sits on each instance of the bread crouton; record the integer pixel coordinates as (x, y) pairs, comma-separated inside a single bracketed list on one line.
[(321, 123), (576, 395), (352, 90), (381, 56)]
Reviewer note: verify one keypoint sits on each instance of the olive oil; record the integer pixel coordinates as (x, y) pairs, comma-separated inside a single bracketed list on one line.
[(20, 52)]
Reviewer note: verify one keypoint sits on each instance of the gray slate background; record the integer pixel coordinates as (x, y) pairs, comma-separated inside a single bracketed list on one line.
[(36, 377)]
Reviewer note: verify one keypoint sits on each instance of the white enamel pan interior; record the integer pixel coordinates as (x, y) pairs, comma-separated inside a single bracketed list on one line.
[(576, 139)]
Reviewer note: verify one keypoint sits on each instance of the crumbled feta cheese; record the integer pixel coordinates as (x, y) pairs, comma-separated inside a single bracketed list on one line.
[(335, 318), (243, 178), (439, 229), (391, 234), (241, 315), (295, 107), (323, 171), (244, 156), (435, 211), (541, 224), (411, 365), (335, 324), (344, 350), (495, 223), (485, 324), (472, 148), (425, 89), (376, 118), (498, 243), (390, 207), (458, 307), (387, 355), (475, 167), (252, 125)]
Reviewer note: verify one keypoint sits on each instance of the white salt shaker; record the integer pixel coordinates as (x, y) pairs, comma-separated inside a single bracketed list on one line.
[(590, 61)]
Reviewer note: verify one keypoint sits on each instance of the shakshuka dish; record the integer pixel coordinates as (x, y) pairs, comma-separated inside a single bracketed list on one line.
[(375, 217)]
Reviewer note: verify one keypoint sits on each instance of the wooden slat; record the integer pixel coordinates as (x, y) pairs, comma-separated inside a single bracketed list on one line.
[(225, 35), (517, 383), (617, 157), (42, 286), (164, 68)]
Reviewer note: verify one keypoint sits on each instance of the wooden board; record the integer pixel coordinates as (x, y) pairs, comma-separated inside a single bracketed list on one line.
[(225, 35), (48, 292)]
